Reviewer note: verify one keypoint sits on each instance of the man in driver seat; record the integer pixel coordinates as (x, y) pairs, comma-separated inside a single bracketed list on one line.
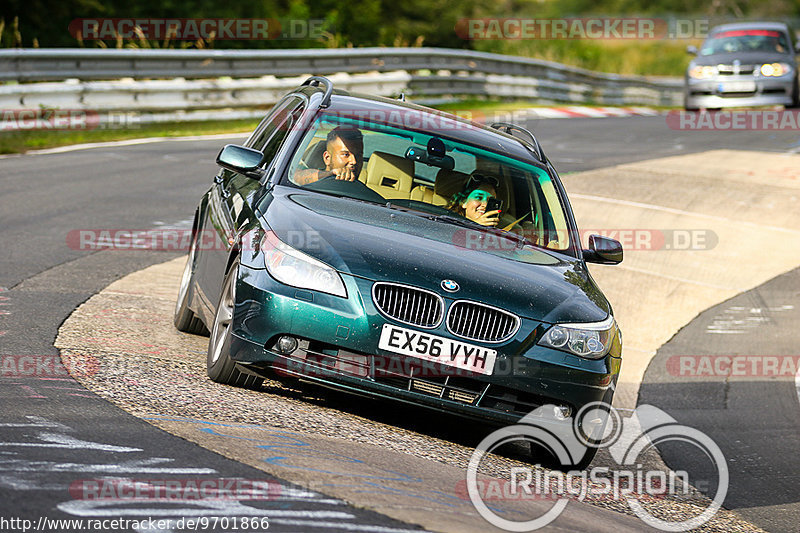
[(343, 157)]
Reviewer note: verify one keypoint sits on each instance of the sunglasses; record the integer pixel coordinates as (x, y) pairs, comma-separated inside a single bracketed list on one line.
[(477, 180)]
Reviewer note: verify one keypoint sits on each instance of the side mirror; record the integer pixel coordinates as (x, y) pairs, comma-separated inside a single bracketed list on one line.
[(243, 160), (691, 49), (603, 250)]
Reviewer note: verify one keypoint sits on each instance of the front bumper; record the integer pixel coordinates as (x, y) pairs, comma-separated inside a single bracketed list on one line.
[(712, 93), (339, 348)]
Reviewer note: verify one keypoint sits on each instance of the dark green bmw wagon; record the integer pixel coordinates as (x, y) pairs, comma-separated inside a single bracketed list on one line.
[(393, 250)]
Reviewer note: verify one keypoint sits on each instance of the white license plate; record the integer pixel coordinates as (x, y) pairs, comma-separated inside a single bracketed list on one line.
[(737, 87), (438, 349)]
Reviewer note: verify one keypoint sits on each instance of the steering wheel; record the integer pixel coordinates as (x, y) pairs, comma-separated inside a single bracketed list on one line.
[(352, 189)]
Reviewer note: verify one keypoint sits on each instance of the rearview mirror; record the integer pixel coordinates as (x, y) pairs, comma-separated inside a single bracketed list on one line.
[(691, 49), (420, 155), (603, 250), (243, 160)]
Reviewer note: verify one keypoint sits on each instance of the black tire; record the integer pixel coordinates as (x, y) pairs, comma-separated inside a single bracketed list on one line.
[(546, 458), (184, 318), (795, 95), (219, 365), (687, 107)]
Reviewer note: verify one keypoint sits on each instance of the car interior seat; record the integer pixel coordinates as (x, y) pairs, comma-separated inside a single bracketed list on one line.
[(389, 175)]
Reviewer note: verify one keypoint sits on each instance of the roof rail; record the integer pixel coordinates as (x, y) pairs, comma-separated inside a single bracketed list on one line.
[(508, 128), (316, 81)]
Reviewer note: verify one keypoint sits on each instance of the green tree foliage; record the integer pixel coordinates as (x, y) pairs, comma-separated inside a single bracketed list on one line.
[(352, 23), (44, 23)]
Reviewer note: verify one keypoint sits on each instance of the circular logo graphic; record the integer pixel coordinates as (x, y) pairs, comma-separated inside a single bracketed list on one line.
[(449, 285)]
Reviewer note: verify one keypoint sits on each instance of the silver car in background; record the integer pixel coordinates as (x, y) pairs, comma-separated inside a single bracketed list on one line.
[(744, 64)]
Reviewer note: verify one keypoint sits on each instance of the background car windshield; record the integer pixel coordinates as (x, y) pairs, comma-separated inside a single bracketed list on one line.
[(738, 41), (392, 168)]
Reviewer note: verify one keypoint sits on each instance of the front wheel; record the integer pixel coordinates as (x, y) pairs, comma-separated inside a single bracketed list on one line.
[(219, 365), (795, 95), (184, 318)]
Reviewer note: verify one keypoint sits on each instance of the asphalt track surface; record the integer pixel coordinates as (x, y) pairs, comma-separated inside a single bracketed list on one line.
[(751, 413), (55, 433)]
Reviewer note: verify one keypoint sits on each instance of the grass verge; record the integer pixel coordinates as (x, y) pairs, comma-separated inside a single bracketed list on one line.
[(22, 141)]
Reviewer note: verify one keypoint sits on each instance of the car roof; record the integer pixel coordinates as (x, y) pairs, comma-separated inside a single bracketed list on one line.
[(779, 26), (456, 128)]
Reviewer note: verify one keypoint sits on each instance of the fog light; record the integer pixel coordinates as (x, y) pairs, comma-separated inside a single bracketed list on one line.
[(286, 344), (562, 412)]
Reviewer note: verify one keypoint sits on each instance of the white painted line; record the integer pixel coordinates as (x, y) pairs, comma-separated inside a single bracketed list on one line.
[(125, 468), (57, 440), (680, 212), (797, 384), (644, 111), (128, 142), (615, 111), (110, 508), (550, 113)]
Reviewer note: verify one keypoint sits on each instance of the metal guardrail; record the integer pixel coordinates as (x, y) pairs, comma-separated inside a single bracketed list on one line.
[(175, 81), (103, 64)]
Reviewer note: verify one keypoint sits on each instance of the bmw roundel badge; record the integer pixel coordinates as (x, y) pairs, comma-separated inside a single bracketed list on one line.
[(449, 285)]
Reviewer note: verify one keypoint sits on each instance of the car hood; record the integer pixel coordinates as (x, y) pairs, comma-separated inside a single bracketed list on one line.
[(380, 244), (746, 58)]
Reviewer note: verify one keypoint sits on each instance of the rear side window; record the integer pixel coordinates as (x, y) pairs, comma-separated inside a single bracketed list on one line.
[(272, 131)]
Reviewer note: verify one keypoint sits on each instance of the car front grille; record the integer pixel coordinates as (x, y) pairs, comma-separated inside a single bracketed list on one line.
[(480, 322), (733, 70), (410, 305)]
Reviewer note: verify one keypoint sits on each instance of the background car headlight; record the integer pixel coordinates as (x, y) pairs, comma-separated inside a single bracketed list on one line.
[(775, 69), (703, 72), (293, 267), (591, 340)]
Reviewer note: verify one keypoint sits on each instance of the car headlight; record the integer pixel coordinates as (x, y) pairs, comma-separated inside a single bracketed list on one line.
[(293, 267), (702, 72), (591, 340), (775, 69)]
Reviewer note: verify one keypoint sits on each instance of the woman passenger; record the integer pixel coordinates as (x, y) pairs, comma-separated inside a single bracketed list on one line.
[(472, 200)]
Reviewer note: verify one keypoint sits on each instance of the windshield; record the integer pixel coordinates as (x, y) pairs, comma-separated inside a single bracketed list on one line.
[(434, 177), (737, 41)]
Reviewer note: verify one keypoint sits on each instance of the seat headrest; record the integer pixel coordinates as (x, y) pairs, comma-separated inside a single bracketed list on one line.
[(390, 174), (313, 154)]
